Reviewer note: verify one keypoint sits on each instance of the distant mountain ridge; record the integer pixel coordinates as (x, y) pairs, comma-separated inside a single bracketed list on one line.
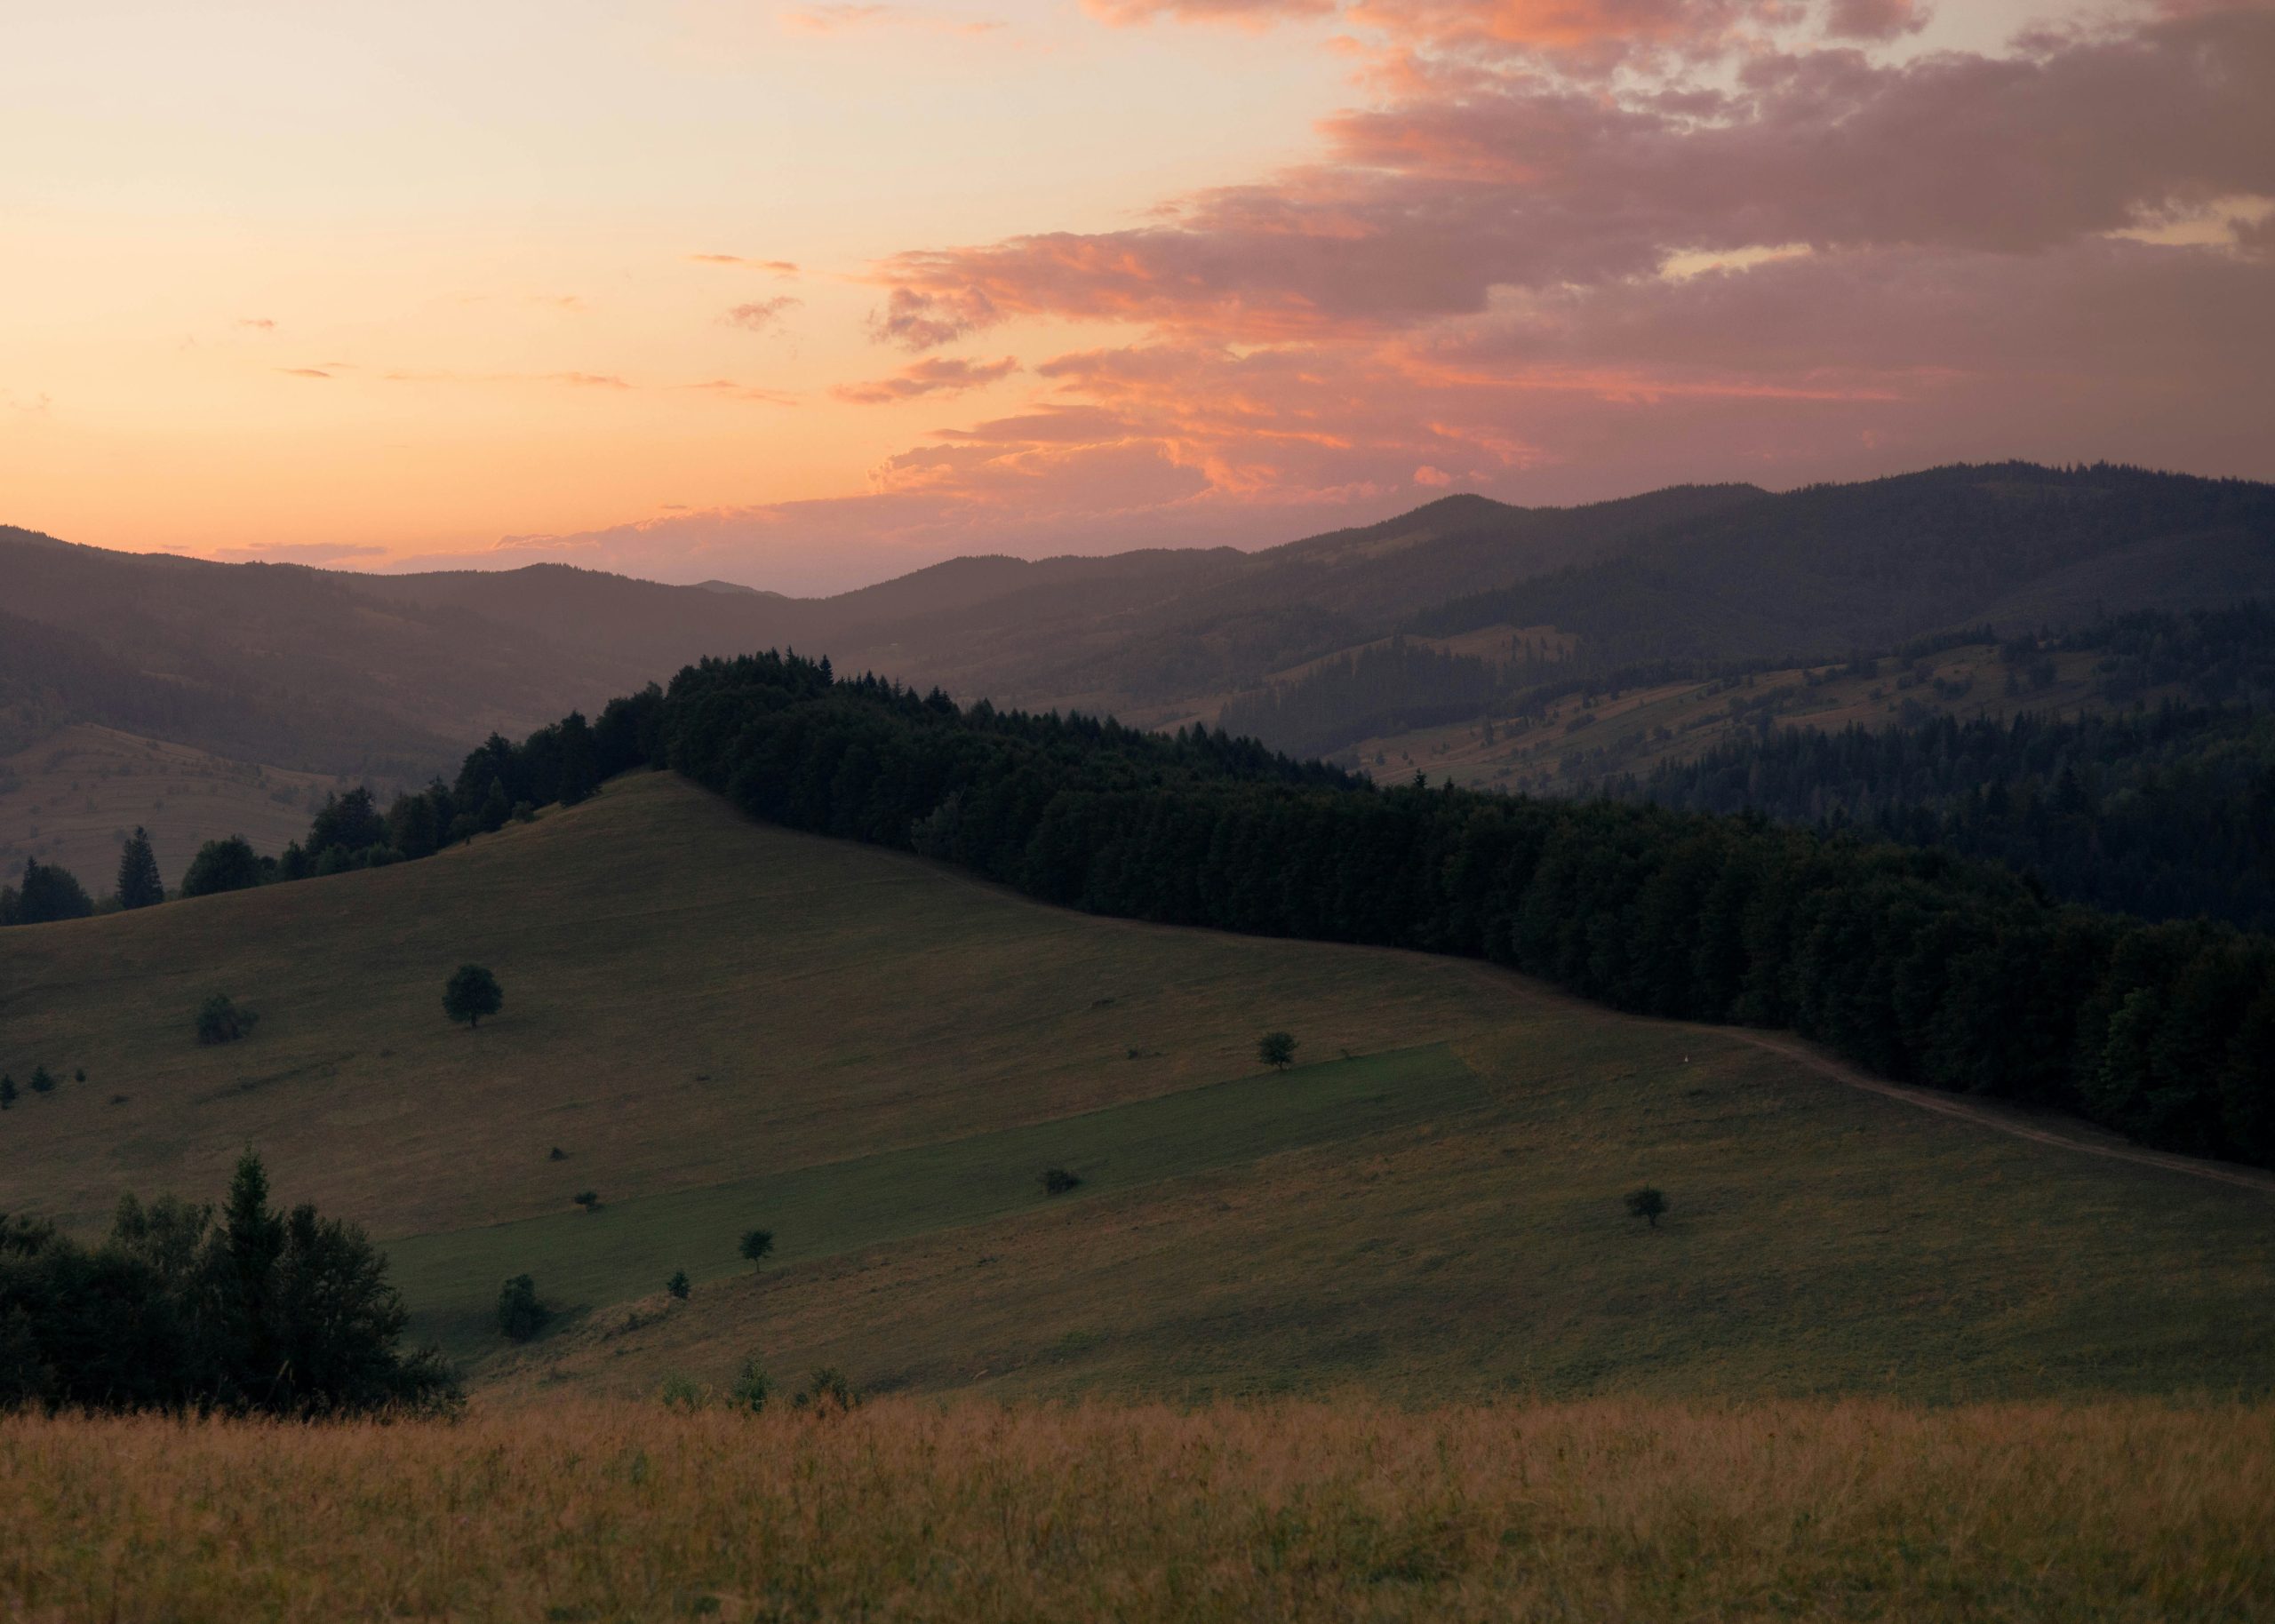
[(340, 672)]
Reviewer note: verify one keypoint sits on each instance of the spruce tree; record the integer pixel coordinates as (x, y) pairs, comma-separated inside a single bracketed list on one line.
[(139, 885)]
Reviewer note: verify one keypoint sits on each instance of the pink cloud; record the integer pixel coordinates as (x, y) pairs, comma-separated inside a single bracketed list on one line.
[(935, 374), (760, 315), (1871, 261)]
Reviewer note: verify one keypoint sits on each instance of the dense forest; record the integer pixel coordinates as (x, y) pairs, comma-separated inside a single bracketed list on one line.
[(2167, 812), (1920, 964)]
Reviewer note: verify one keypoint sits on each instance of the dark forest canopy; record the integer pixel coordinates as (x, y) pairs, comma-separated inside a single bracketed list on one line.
[(1921, 965)]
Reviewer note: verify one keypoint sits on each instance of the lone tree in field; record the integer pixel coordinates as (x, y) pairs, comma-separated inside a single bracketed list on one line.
[(678, 1285), (221, 1021), (520, 1314), (758, 1245), (470, 994), (1646, 1203), (1276, 1050), (43, 1081), (7, 1092), (139, 885)]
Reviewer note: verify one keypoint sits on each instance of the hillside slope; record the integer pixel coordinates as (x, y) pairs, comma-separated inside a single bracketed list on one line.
[(724, 1024)]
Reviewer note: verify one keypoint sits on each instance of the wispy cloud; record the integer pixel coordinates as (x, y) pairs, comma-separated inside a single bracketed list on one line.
[(728, 389), (844, 17), (937, 375), (297, 553), (304, 371), (260, 322), (777, 267), (762, 315)]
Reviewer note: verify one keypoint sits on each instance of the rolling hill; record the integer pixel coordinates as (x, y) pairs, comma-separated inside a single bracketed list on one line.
[(722, 1024)]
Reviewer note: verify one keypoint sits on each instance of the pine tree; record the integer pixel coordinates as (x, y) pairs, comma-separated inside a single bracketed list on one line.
[(139, 885)]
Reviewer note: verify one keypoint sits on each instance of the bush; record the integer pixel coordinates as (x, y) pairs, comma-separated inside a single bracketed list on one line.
[(558, 1155), (7, 1092), (678, 1285), (43, 1081), (590, 1199), (757, 1247), (1646, 1203), (682, 1393), (221, 1021), (752, 1389), (1276, 1050), (827, 1392), (520, 1314), (1058, 1181)]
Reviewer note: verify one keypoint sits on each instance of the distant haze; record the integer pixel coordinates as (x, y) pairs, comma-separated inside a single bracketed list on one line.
[(807, 297)]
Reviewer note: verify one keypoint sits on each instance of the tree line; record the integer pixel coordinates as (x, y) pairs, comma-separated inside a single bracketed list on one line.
[(498, 782), (249, 1310), (1915, 962)]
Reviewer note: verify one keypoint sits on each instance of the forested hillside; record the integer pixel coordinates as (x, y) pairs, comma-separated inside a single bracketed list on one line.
[(2167, 812), (1834, 568)]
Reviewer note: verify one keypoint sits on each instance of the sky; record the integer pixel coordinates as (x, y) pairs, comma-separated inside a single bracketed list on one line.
[(806, 296)]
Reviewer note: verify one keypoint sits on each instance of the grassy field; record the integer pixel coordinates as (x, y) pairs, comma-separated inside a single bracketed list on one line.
[(723, 1025), (74, 797), (2133, 1512)]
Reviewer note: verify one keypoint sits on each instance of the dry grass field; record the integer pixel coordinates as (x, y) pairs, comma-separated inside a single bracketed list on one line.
[(2138, 1512), (724, 1025), (74, 797)]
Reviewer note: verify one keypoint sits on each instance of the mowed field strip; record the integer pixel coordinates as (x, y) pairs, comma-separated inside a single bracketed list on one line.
[(724, 1025)]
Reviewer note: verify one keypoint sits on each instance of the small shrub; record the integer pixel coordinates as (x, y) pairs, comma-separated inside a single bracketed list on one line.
[(7, 1092), (79, 1076), (682, 1393), (679, 1286), (752, 1389), (827, 1392), (558, 1155), (520, 1314), (43, 1081), (1058, 1181), (221, 1021), (1646, 1203), (590, 1199)]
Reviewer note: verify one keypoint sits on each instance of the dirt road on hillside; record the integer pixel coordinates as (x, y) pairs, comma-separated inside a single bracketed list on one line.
[(2004, 1121)]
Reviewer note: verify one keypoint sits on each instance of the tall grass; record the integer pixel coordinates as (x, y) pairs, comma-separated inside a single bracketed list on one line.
[(1348, 1510)]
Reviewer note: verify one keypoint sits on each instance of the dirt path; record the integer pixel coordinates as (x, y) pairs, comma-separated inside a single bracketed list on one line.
[(2004, 1121)]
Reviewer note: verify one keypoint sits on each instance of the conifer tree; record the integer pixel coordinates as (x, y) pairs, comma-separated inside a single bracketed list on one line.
[(139, 885)]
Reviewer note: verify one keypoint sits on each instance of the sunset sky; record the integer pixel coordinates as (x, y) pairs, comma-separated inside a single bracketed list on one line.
[(805, 296)]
